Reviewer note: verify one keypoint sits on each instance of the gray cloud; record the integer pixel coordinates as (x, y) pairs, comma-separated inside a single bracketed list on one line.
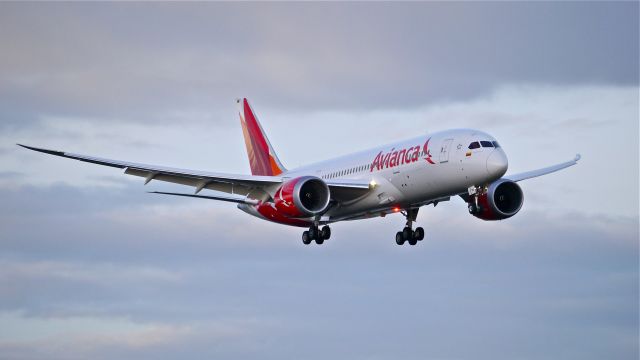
[(108, 271), (531, 286), (10, 175), (158, 62)]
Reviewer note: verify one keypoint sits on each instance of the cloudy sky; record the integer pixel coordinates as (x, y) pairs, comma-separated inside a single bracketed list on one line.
[(91, 266)]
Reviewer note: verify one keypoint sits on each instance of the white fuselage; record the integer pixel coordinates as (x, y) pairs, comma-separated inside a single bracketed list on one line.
[(411, 172)]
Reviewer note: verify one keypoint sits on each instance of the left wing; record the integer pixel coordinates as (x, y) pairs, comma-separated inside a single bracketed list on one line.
[(341, 190), (543, 171), (229, 183)]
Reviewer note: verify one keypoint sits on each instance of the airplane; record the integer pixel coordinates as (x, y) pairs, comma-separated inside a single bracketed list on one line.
[(397, 178)]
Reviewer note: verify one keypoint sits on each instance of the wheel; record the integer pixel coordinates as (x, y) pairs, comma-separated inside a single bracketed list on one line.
[(407, 233), (399, 238), (419, 234), (319, 240), (413, 241), (326, 232), (313, 233), (305, 238)]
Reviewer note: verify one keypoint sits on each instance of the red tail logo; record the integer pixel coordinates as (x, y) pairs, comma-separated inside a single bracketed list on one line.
[(262, 157)]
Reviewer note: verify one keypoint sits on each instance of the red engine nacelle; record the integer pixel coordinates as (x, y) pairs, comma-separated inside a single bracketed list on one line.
[(302, 197), (502, 200)]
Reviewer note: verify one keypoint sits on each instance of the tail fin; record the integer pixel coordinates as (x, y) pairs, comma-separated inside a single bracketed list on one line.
[(262, 157)]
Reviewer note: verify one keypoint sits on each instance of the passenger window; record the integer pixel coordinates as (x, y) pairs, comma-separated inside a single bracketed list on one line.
[(486, 143), (474, 145)]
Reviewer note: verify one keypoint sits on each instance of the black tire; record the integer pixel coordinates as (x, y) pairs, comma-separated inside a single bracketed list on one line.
[(399, 238), (305, 238), (326, 232), (419, 234), (319, 240), (313, 233), (407, 233), (413, 241)]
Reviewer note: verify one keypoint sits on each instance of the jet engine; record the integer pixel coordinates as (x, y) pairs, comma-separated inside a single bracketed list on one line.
[(501, 200), (302, 197)]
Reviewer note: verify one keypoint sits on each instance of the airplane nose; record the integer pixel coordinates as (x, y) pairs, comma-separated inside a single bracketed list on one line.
[(497, 163)]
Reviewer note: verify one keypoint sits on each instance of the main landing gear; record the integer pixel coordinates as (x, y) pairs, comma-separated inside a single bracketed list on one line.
[(314, 233), (408, 234)]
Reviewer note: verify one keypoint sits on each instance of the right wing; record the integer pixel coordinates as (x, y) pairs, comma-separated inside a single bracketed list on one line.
[(543, 171)]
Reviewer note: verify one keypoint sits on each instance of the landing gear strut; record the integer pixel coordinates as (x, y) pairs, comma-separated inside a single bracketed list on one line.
[(317, 234), (408, 234)]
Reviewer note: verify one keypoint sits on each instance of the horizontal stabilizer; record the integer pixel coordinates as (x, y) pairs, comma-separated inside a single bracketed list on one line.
[(238, 200)]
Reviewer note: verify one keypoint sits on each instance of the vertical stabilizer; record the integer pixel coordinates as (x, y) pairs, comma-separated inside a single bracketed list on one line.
[(262, 158)]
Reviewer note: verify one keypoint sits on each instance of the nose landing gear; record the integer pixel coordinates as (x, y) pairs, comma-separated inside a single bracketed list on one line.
[(314, 233), (408, 234)]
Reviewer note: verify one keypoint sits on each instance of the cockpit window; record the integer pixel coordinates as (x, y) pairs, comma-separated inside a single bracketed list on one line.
[(474, 145), (495, 143), (486, 143)]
